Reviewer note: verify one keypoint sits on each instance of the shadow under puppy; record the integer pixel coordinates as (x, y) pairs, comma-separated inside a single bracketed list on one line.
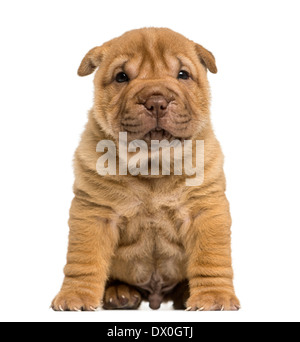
[(153, 238)]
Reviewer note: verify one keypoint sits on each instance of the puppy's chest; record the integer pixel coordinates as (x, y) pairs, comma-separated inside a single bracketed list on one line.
[(154, 231)]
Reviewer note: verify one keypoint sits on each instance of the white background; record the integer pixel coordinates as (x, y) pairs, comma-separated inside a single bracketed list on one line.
[(256, 115)]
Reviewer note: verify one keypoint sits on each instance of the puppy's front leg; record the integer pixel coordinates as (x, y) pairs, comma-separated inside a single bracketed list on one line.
[(92, 242), (210, 266)]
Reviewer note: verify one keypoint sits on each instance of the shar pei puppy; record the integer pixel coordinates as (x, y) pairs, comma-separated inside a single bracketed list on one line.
[(138, 236)]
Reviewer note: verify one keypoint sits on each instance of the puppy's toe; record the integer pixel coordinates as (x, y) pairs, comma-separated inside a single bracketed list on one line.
[(75, 301), (213, 301)]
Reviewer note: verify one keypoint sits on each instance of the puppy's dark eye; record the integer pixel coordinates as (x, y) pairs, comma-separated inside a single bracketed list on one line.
[(183, 75), (122, 77)]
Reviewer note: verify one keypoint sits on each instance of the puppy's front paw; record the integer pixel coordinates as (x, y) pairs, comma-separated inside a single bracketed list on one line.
[(213, 301), (75, 301)]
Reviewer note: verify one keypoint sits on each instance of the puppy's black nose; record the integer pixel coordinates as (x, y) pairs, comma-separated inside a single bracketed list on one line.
[(157, 105)]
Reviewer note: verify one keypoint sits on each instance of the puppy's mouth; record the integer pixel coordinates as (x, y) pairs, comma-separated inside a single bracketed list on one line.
[(158, 134)]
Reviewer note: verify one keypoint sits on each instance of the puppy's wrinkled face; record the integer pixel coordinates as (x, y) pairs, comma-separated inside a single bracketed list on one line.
[(152, 84)]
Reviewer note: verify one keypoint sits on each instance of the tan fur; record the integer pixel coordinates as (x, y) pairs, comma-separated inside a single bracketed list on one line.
[(134, 230)]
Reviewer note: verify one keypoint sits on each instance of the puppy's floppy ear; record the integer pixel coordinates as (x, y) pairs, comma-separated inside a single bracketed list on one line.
[(91, 61), (207, 58)]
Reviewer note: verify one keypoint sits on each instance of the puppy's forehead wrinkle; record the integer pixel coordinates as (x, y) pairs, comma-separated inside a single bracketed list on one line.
[(187, 62), (120, 60), (149, 58), (118, 63), (155, 66)]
